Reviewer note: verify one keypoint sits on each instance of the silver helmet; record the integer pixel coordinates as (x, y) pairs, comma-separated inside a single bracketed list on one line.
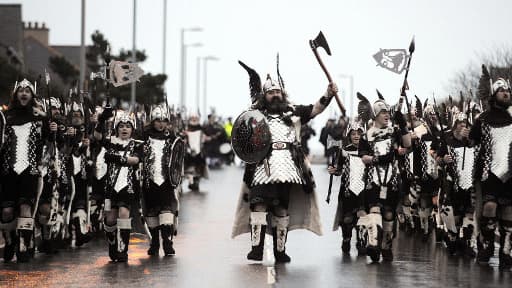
[(159, 113), (380, 106), (24, 84), (271, 84)]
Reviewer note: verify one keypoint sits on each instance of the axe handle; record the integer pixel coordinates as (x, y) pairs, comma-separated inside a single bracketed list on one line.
[(329, 78)]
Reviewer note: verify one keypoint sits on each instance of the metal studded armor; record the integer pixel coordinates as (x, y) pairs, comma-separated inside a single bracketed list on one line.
[(251, 136), (281, 166)]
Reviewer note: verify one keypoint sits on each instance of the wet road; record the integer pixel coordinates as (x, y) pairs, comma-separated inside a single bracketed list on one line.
[(206, 256)]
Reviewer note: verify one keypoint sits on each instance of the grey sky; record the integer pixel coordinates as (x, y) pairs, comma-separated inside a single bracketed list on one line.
[(448, 36)]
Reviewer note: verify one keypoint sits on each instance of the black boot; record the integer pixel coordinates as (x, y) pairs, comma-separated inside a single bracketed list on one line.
[(167, 234), (486, 240), (467, 241), (154, 246), (361, 240), (111, 236), (258, 242), (10, 245), (124, 227), (505, 258), (451, 243), (258, 230), (346, 231), (80, 224), (280, 235), (122, 244), (25, 241), (387, 240)]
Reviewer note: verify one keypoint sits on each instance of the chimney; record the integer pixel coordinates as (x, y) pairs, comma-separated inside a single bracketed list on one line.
[(39, 33)]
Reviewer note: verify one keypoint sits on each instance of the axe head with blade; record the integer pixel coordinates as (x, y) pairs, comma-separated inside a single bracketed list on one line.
[(320, 41)]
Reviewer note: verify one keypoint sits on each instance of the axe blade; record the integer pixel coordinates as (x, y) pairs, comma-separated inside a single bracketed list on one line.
[(320, 41)]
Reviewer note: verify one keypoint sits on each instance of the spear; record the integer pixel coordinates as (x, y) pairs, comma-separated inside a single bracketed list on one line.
[(405, 85)]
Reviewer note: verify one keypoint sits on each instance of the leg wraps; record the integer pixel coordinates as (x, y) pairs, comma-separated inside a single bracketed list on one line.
[(258, 224), (124, 226), (152, 221), (448, 219), (82, 221), (25, 229), (280, 224), (387, 235)]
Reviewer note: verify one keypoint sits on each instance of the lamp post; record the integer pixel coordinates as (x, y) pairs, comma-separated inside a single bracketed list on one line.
[(183, 63), (134, 58), (351, 95), (205, 77)]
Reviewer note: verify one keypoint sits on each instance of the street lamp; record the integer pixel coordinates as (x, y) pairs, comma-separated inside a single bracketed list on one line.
[(184, 60), (351, 96), (205, 62)]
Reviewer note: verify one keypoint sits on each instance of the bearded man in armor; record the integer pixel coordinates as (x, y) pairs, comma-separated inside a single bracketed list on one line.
[(159, 193), (26, 129), (379, 151), (493, 132), (281, 183)]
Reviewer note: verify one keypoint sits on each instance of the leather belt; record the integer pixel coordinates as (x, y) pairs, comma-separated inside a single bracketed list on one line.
[(281, 146)]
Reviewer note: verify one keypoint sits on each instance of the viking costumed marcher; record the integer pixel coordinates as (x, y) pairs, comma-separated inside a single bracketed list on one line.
[(214, 137), (159, 191), (51, 204), (26, 129), (280, 184), (81, 169), (122, 156), (426, 179), (457, 200), (383, 142), (195, 161), (493, 132), (350, 202)]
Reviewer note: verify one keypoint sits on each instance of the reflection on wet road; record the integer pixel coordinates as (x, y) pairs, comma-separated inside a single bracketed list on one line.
[(206, 256)]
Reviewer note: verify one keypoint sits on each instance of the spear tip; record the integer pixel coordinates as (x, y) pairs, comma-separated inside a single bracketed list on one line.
[(412, 46)]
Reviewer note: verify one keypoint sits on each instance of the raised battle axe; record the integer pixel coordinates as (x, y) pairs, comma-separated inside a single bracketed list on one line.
[(320, 41)]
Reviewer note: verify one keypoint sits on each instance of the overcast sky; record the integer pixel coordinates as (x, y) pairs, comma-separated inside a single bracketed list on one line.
[(449, 34)]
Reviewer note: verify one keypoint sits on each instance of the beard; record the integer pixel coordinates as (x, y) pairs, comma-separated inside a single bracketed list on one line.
[(503, 103), (277, 105)]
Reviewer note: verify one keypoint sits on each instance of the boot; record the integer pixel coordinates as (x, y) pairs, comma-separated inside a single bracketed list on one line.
[(9, 233), (154, 246), (167, 227), (346, 231), (25, 229), (80, 225), (505, 258), (467, 237), (361, 244), (280, 233), (258, 230), (167, 234), (374, 236), (486, 240), (111, 236), (387, 240), (438, 224), (124, 227), (451, 243)]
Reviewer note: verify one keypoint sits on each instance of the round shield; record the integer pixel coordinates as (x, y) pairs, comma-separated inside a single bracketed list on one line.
[(2, 129), (251, 136), (176, 161), (224, 148)]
